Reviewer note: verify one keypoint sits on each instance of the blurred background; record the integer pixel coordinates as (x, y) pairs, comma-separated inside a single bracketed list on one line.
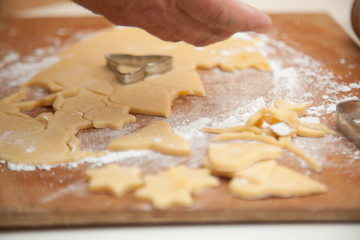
[(10, 8), (339, 10)]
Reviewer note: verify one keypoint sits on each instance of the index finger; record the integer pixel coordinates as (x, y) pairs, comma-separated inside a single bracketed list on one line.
[(229, 15)]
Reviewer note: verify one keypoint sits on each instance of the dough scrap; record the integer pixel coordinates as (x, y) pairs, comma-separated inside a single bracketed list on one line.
[(238, 156), (114, 179), (267, 178), (257, 178), (284, 142), (175, 186), (283, 112), (85, 94), (157, 136), (262, 127), (300, 109)]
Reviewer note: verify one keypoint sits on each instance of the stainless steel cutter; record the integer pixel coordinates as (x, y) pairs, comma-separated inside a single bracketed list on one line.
[(348, 120), (147, 65)]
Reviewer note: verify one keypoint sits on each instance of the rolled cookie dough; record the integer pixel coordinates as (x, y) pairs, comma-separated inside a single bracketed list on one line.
[(85, 94)]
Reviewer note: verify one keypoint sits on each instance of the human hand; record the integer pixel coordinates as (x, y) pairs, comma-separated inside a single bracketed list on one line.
[(198, 22)]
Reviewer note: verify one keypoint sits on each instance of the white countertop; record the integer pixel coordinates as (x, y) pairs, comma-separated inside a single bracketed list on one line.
[(340, 11), (330, 231)]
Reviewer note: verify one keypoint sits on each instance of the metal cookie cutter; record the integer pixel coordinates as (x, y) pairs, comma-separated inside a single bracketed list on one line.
[(348, 120), (147, 65)]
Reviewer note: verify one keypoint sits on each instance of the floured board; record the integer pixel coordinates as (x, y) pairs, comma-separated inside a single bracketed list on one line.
[(312, 58)]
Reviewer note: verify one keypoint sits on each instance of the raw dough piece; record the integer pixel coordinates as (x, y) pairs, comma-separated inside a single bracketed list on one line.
[(282, 142), (247, 136), (283, 112), (33, 141), (157, 136), (238, 156), (199, 179), (50, 138), (175, 186), (300, 109), (312, 162), (227, 174), (267, 178), (114, 179), (262, 126), (83, 65), (85, 94)]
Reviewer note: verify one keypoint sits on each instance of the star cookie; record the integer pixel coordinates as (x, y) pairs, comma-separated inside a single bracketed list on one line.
[(175, 186), (114, 179)]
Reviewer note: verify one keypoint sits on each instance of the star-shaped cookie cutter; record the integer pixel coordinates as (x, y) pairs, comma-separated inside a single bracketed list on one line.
[(147, 65), (348, 120)]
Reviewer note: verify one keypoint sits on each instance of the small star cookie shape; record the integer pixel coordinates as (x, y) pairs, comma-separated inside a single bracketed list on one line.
[(175, 186), (158, 137), (114, 179), (198, 178)]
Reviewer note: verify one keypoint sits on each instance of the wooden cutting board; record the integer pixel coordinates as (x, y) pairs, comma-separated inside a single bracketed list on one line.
[(59, 197)]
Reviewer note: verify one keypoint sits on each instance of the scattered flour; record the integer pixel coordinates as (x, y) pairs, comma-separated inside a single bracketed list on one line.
[(74, 188), (18, 72), (21, 167), (282, 129), (10, 57), (30, 149), (355, 85), (190, 130)]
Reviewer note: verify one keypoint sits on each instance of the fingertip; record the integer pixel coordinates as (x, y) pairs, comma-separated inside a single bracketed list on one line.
[(251, 18), (264, 24)]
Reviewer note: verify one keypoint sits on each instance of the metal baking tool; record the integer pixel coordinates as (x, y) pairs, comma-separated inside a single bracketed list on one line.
[(146, 65), (348, 120)]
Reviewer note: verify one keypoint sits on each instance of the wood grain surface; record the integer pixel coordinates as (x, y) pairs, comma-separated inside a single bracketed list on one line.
[(38, 198)]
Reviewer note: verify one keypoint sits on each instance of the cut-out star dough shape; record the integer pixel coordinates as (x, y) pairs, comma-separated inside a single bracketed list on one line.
[(157, 136), (175, 186), (114, 179), (267, 178), (198, 178)]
